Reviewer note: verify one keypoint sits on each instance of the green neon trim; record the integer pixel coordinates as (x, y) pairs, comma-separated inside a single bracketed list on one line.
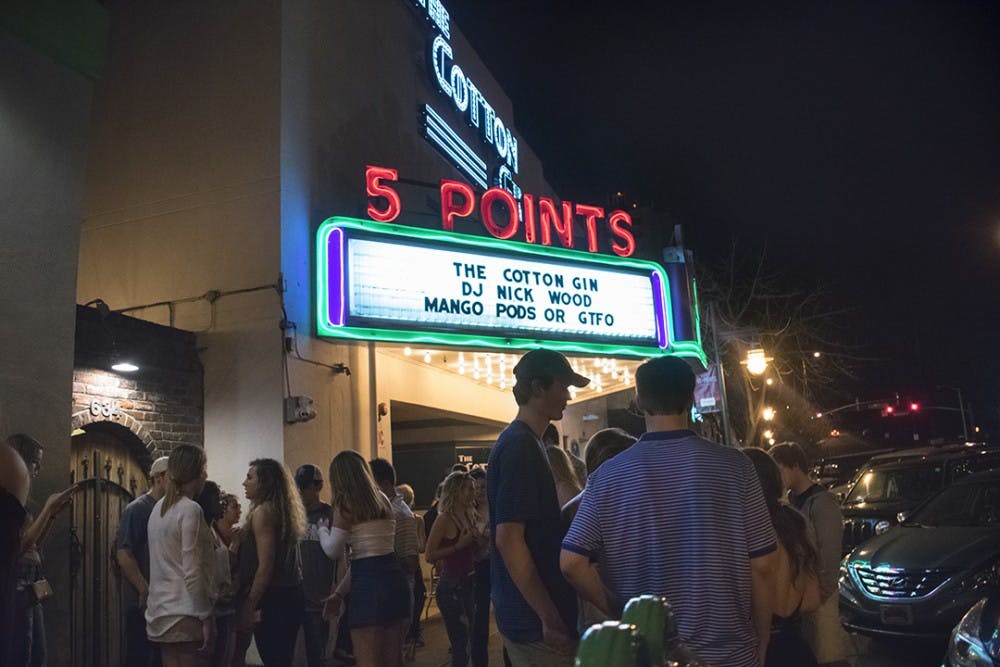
[(324, 327), (697, 320)]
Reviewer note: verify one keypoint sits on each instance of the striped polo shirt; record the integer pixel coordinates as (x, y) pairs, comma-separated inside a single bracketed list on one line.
[(679, 516)]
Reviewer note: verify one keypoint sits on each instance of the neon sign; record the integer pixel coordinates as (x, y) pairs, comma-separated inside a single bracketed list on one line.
[(466, 98), (394, 283), (503, 217)]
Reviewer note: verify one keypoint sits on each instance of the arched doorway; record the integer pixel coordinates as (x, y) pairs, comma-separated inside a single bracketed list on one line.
[(111, 465)]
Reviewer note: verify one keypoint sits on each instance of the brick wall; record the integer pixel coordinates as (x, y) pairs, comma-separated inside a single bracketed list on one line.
[(162, 403)]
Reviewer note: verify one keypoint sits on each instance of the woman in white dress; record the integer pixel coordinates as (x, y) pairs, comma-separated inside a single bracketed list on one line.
[(179, 608)]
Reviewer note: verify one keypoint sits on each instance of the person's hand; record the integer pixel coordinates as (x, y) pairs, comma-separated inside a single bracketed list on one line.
[(59, 501), (143, 598), (332, 604), (208, 634), (556, 635), (247, 619)]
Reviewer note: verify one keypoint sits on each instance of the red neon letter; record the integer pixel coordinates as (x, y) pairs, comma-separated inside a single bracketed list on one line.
[(529, 218), (549, 218), (616, 220), (373, 176), (486, 207), (591, 214), (449, 208)]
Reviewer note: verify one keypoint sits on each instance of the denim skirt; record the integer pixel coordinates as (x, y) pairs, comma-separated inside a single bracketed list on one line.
[(379, 594)]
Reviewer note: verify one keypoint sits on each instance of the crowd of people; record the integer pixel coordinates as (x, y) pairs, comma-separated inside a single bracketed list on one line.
[(553, 542)]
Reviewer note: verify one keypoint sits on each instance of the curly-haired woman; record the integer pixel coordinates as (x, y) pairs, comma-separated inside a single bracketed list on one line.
[(269, 597)]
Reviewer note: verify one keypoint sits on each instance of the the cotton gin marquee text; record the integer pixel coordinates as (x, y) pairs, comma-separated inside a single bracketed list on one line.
[(543, 220), (521, 294)]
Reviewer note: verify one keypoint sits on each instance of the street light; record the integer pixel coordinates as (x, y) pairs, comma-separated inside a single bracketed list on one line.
[(768, 434), (756, 361), (768, 414)]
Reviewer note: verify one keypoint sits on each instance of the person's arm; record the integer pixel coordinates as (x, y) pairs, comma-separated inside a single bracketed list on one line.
[(130, 569), (265, 527), (828, 523), (435, 551), (194, 568), (333, 603), (39, 529), (582, 575), (421, 534), (762, 591), (521, 567), (580, 547)]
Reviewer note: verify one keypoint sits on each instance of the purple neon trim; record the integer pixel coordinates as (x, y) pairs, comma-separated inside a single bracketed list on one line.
[(335, 276), (661, 311)]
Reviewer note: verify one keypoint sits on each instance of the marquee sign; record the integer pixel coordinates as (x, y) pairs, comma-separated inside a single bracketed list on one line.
[(384, 282)]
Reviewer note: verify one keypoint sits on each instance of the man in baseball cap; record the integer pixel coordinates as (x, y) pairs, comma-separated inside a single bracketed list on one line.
[(534, 606), (548, 364), (317, 570), (133, 558)]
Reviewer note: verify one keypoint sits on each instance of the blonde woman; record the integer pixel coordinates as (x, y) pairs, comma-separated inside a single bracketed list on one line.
[(179, 607), (269, 599), (379, 609), (567, 483), (452, 546)]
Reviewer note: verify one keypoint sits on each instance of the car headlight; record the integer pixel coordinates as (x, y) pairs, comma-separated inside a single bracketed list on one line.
[(965, 648), (882, 526)]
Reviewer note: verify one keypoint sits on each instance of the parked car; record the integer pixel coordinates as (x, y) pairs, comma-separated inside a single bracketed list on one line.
[(975, 641), (899, 481), (837, 473), (920, 577)]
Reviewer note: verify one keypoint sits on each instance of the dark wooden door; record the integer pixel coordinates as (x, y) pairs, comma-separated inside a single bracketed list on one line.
[(110, 477)]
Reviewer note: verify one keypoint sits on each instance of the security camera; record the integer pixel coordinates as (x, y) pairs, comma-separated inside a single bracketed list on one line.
[(299, 409)]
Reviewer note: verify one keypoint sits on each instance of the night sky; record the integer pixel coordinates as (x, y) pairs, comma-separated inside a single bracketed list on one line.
[(859, 140)]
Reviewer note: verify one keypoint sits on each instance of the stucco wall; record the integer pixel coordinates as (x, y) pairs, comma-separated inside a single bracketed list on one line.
[(183, 198), (44, 111)]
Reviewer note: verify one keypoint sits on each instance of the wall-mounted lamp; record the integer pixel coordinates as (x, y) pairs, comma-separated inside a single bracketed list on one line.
[(124, 367)]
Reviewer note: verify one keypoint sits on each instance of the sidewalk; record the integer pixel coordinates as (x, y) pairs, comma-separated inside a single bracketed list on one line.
[(435, 653)]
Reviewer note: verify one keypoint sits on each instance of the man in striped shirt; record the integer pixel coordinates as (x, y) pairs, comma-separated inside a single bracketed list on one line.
[(679, 516)]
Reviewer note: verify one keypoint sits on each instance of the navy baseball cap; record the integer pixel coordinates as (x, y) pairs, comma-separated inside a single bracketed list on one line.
[(548, 363)]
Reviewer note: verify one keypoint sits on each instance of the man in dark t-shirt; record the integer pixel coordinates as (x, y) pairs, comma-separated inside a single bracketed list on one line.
[(132, 556), (317, 569), (534, 606)]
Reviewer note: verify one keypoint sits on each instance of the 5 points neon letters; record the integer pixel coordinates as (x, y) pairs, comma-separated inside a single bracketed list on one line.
[(540, 220)]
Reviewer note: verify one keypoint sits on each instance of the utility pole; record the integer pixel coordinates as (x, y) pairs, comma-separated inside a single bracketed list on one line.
[(961, 408), (722, 374)]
